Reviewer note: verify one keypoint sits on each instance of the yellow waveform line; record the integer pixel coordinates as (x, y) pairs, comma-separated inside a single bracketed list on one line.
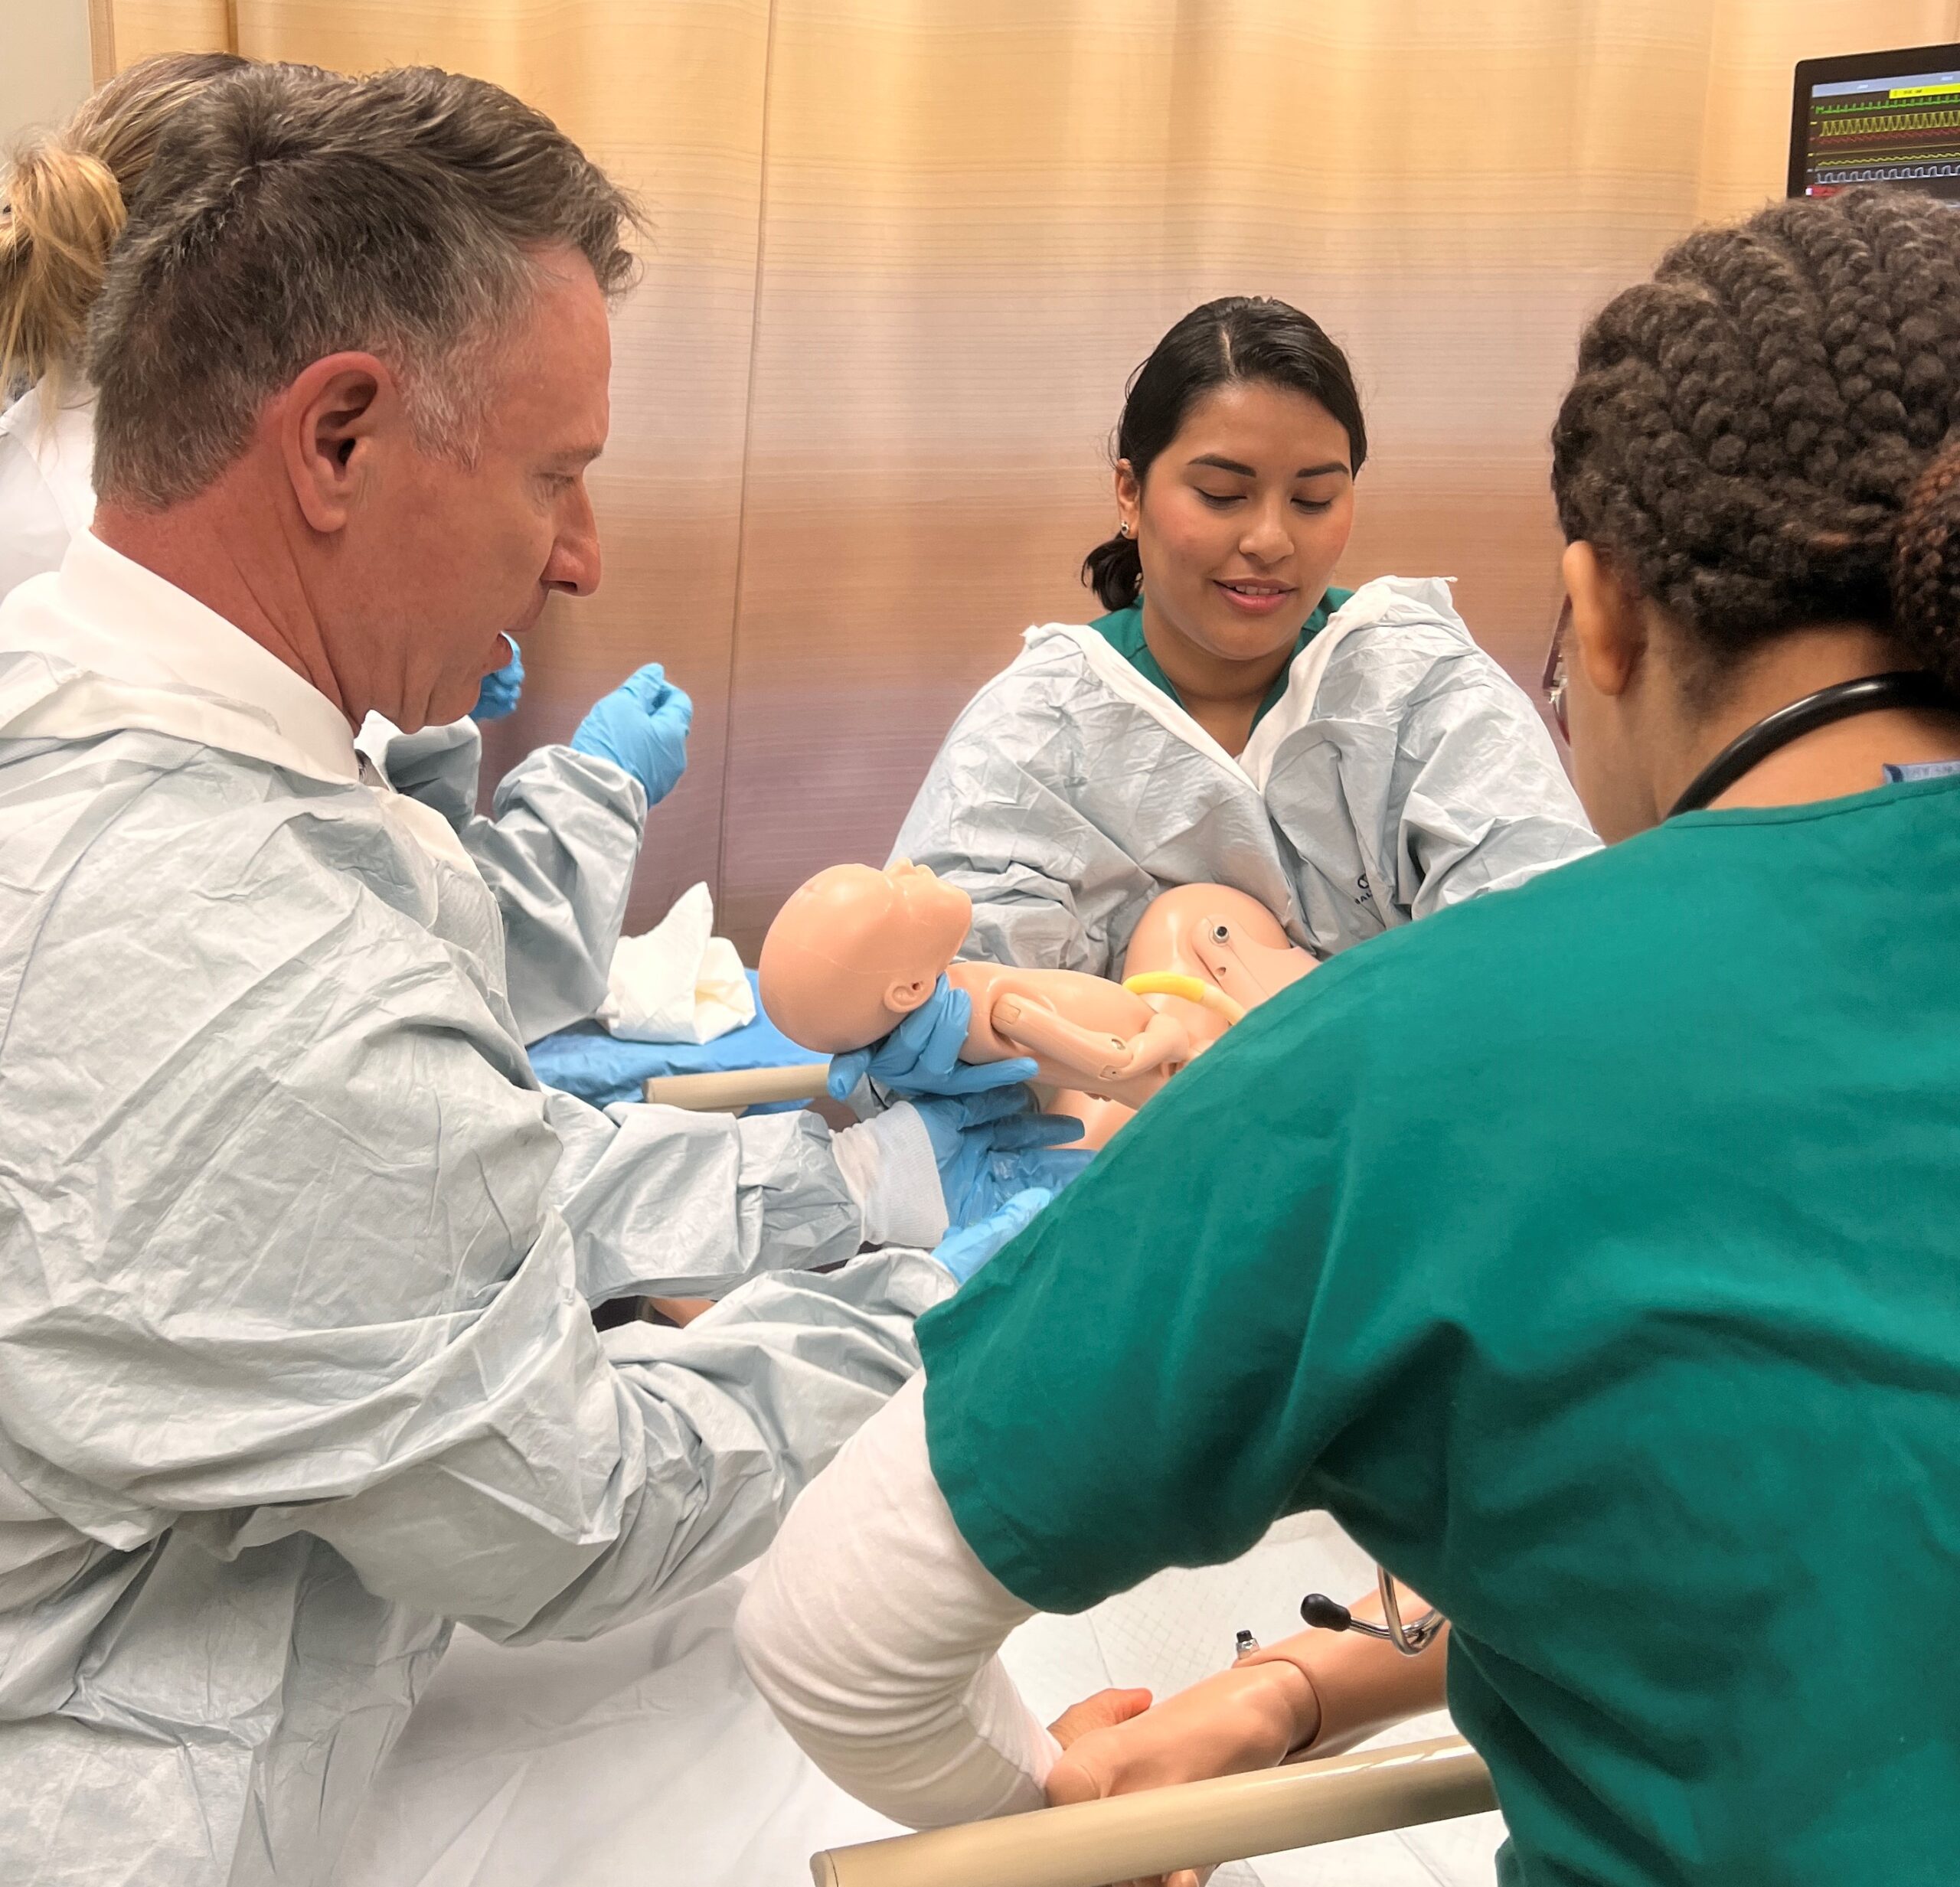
[(1908, 121)]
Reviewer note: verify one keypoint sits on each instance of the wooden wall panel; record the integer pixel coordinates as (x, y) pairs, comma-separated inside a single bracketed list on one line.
[(668, 96), (976, 220), (906, 253)]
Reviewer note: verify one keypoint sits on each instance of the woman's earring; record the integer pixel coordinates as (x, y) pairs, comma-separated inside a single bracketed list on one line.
[(1122, 527)]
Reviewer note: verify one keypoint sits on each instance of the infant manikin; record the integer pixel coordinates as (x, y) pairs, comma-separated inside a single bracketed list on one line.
[(855, 950)]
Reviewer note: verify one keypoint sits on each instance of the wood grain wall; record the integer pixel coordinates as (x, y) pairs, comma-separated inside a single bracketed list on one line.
[(906, 252)]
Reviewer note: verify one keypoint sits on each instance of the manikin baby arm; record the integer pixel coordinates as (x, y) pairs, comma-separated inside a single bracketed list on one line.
[(1099, 1055)]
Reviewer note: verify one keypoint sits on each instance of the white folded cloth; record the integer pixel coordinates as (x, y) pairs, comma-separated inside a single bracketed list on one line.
[(679, 982)]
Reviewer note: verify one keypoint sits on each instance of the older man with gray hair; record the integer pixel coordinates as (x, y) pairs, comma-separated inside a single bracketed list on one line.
[(295, 1360)]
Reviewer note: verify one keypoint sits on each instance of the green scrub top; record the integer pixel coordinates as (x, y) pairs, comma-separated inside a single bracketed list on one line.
[(1122, 629), (1592, 1252)]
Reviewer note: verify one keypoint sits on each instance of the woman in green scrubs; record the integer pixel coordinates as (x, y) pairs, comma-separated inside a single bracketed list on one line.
[(1592, 1252)]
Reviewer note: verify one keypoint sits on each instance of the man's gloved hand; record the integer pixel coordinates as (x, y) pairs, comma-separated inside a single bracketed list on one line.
[(989, 1146), (499, 695), (921, 1055), (925, 1167), (963, 1253), (641, 727)]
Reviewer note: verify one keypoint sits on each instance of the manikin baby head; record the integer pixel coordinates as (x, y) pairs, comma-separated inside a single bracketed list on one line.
[(855, 950)]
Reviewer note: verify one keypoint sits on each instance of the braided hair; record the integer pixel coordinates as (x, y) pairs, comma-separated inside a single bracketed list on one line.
[(1767, 434)]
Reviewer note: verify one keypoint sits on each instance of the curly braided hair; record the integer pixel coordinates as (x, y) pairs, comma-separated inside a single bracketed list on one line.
[(1767, 433)]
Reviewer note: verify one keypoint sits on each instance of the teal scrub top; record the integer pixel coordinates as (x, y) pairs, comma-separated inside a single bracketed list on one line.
[(1592, 1252), (1122, 629)]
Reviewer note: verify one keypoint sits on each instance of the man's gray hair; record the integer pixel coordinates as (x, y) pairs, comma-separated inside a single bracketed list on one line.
[(291, 214)]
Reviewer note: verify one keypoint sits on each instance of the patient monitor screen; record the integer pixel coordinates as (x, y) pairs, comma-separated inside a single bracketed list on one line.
[(1900, 125)]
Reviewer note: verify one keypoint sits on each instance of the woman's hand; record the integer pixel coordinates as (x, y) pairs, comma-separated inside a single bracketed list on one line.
[(1103, 1711), (1246, 1718)]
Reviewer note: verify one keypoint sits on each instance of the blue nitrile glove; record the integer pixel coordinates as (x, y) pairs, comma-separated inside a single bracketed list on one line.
[(642, 727), (989, 1146), (926, 1168), (499, 695), (921, 1055), (963, 1253)]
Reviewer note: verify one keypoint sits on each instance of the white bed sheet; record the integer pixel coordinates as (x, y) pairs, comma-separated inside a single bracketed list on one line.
[(645, 1758)]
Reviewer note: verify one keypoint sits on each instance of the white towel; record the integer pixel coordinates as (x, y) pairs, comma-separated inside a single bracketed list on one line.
[(679, 982)]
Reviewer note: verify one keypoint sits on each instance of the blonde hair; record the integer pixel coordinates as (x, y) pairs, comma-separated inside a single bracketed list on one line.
[(63, 200)]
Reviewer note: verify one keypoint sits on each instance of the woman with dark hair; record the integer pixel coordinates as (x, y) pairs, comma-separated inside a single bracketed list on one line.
[(1351, 759), (1602, 1278)]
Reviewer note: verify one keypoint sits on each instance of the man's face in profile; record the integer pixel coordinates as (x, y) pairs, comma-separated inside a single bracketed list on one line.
[(445, 558)]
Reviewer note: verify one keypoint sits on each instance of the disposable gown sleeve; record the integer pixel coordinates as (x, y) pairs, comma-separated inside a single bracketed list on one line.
[(679, 1453), (557, 851), (871, 1628), (1051, 888), (312, 1281), (1479, 800), (666, 1203)]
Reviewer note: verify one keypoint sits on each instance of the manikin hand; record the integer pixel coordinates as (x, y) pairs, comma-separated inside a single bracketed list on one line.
[(1164, 1041), (1246, 1718)]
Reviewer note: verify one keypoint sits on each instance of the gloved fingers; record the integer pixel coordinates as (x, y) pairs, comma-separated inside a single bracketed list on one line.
[(894, 1059), (1056, 1168), (978, 1077), (964, 1252), (1020, 1130), (846, 1071), (647, 683), (921, 1055), (935, 1032), (990, 1105), (499, 691), (1018, 1213)]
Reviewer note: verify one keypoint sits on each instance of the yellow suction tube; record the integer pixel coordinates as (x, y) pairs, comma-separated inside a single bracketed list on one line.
[(1193, 989)]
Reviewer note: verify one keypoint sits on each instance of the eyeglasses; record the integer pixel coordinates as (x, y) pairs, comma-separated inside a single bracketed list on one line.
[(1553, 680)]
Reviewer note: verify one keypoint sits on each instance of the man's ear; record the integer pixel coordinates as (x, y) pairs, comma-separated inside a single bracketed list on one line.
[(326, 421), (1609, 630)]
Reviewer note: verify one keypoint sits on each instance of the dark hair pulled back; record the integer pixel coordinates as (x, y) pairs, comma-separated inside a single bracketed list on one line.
[(1767, 433), (1242, 337)]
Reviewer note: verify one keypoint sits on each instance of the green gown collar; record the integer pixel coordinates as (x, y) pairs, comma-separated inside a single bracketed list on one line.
[(1122, 629)]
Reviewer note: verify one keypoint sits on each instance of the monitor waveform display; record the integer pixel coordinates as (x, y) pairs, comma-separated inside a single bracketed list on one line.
[(1903, 131)]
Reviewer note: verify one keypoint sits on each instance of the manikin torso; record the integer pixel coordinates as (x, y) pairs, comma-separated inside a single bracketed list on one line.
[(1221, 937)]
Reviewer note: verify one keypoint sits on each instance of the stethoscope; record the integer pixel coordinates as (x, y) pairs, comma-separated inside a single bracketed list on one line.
[(1913, 688), (1904, 687), (1411, 1638)]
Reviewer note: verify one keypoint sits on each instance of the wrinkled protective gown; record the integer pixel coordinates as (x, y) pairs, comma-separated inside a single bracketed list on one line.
[(295, 1359), (558, 848), (1402, 770)]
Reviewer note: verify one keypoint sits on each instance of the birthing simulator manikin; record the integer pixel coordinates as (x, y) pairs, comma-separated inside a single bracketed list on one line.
[(855, 950)]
